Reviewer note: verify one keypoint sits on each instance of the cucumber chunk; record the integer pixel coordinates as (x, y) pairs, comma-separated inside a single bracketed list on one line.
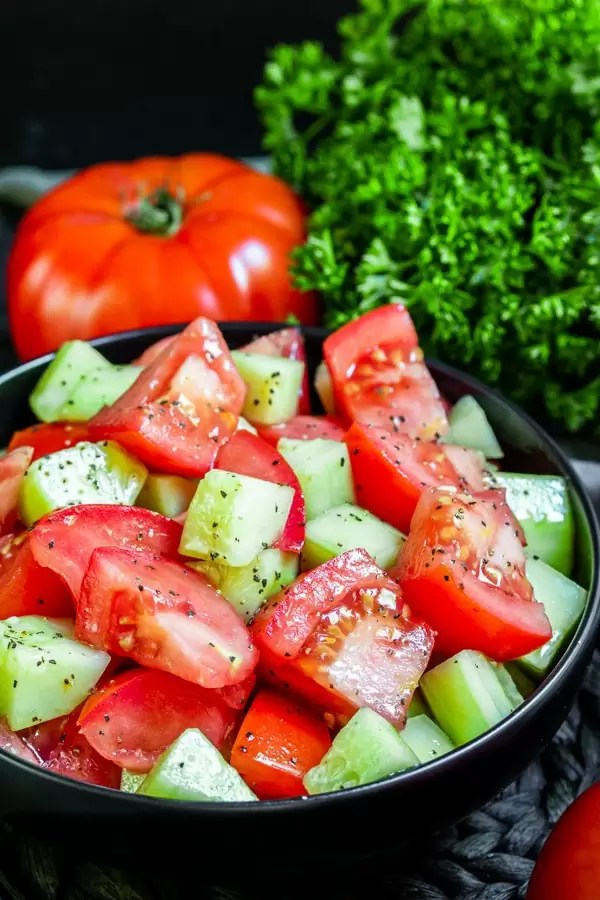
[(169, 495), (44, 673), (349, 527), (469, 427), (193, 769), (72, 361), (247, 587), (564, 602), (131, 781), (417, 706), (523, 681), (98, 389), (466, 695), (233, 517), (426, 739), (85, 473), (542, 505), (273, 384), (323, 470), (367, 749)]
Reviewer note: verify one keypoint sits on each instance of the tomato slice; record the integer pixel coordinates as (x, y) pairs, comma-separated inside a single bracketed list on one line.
[(153, 351), (247, 454), (379, 376), (391, 471), (182, 407), (65, 540), (163, 615), (74, 757), (278, 742), (28, 589), (304, 428), (288, 342), (12, 469), (48, 438), (463, 569), (15, 744), (141, 712)]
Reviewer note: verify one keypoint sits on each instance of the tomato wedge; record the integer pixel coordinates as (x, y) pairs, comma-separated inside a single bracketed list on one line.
[(74, 757), (163, 615), (65, 540), (463, 569), (15, 744), (278, 742), (391, 471), (28, 589), (48, 438), (154, 350), (247, 454), (12, 469), (304, 428), (141, 712), (288, 342), (379, 376), (182, 407)]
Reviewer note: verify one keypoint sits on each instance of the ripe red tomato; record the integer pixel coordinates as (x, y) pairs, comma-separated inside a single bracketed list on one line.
[(278, 742), (17, 745), (28, 589), (462, 568), (379, 377), (12, 468), (153, 242), (75, 757), (289, 343), (304, 428), (48, 438), (568, 868), (163, 615)]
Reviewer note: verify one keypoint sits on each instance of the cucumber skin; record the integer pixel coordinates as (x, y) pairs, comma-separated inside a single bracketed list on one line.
[(326, 536)]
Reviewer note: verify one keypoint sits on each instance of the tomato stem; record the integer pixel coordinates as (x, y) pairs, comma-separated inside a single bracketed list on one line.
[(158, 213)]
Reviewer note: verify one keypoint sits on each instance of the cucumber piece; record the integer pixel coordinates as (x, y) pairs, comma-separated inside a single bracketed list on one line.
[(131, 781), (466, 696), (44, 673), (97, 389), (273, 384), (524, 683), (367, 749), (169, 495), (244, 425), (469, 427), (247, 587), (564, 602), (348, 527), (85, 473), (417, 706), (72, 361), (193, 769), (233, 517), (323, 470), (542, 505), (426, 739)]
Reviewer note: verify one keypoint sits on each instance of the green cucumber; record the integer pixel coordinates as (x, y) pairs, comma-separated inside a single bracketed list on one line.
[(466, 695), (564, 602), (85, 473), (426, 739), (131, 781), (469, 427), (193, 769), (417, 705), (523, 681), (367, 749), (273, 384), (542, 505), (348, 527), (44, 673), (169, 495), (233, 517), (96, 390), (323, 470), (61, 377)]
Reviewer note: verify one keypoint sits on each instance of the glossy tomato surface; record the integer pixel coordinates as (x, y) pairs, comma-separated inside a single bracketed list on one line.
[(49, 437)]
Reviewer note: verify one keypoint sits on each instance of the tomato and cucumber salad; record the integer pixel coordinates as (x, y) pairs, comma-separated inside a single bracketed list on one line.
[(211, 592)]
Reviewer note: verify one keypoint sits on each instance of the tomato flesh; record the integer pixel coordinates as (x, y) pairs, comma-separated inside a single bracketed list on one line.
[(289, 343), (17, 745), (304, 428), (49, 437), (74, 757), (278, 742), (462, 569), (12, 469), (28, 589)]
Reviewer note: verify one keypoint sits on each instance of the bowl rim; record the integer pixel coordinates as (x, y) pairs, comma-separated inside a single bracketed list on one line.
[(445, 766)]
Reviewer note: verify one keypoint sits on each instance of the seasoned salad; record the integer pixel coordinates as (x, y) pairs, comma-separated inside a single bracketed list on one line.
[(209, 592)]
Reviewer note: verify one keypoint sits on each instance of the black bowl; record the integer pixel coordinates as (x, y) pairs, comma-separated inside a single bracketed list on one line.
[(363, 821)]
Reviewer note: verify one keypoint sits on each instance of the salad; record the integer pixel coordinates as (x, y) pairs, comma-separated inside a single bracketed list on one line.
[(209, 593)]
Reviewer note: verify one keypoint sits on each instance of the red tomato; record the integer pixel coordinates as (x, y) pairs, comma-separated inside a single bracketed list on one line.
[(278, 742), (463, 569), (379, 377), (152, 242), (45, 738), (182, 407), (48, 438), (289, 343), (12, 468), (74, 757), (15, 744), (391, 471), (153, 351), (141, 712), (568, 868), (65, 540), (28, 589), (247, 454), (165, 616), (304, 428)]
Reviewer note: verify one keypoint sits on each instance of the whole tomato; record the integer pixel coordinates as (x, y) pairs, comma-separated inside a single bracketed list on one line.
[(152, 242)]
